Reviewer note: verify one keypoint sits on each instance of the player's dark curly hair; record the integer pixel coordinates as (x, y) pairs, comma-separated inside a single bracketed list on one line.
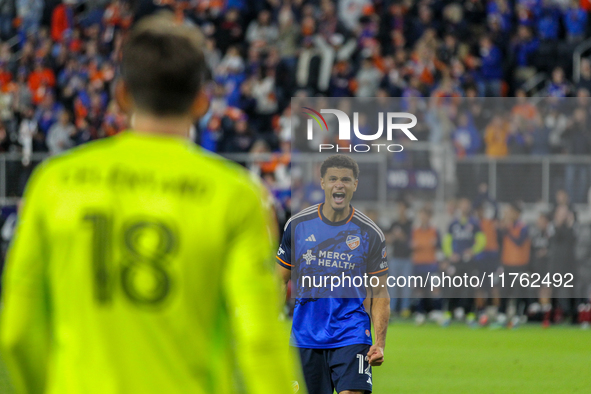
[(340, 161)]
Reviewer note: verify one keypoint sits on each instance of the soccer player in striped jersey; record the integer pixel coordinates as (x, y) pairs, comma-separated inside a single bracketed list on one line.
[(333, 238), (142, 264)]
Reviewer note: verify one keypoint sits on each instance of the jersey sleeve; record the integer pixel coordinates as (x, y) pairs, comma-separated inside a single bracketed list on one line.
[(25, 324), (283, 256), (251, 291), (377, 263)]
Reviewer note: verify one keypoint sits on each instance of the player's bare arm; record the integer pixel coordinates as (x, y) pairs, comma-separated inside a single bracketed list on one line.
[(284, 275), (380, 316)]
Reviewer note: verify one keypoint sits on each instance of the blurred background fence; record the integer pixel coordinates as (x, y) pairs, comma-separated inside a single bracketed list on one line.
[(422, 172)]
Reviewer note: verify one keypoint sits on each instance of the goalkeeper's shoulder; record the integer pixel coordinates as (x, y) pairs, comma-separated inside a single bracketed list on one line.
[(53, 175), (78, 154), (234, 175)]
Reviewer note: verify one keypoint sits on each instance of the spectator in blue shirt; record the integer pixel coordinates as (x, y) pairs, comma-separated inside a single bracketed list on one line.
[(211, 135), (340, 80), (524, 15), (466, 139), (47, 111), (424, 22), (231, 76), (30, 13), (537, 136), (558, 87), (393, 81), (575, 22), (524, 45), (516, 141), (500, 9), (491, 67), (548, 23)]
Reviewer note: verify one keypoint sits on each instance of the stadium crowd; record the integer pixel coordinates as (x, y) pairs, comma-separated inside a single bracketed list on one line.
[(262, 53), (59, 59)]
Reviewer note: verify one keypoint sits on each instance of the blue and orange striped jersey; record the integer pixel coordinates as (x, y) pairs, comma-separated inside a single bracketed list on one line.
[(315, 247)]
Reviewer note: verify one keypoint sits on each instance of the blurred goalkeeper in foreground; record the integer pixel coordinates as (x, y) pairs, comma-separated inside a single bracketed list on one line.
[(140, 263)]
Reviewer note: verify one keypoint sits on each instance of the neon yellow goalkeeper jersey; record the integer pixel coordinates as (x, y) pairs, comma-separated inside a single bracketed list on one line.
[(142, 264)]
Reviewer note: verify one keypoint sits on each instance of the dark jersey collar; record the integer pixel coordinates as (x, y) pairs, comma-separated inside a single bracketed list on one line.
[(339, 223)]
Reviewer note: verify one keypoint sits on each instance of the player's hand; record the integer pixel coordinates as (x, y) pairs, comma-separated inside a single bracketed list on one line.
[(375, 356), (455, 258)]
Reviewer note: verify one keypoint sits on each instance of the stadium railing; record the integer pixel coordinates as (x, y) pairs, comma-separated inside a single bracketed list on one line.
[(430, 172), (578, 54)]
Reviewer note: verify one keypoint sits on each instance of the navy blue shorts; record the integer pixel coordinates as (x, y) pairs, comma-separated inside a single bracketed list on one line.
[(488, 263), (343, 368)]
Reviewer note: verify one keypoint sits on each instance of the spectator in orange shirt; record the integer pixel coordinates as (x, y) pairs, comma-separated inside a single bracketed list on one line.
[(5, 75), (40, 76), (40, 93), (75, 43), (112, 15), (62, 19), (524, 108), (495, 137), (425, 244)]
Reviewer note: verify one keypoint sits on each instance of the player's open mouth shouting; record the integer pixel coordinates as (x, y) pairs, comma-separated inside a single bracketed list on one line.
[(339, 198)]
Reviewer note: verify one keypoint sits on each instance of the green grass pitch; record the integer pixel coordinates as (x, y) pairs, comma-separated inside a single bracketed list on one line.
[(458, 359)]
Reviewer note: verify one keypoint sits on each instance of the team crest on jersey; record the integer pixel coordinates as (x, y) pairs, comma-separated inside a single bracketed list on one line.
[(353, 242), (384, 253)]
